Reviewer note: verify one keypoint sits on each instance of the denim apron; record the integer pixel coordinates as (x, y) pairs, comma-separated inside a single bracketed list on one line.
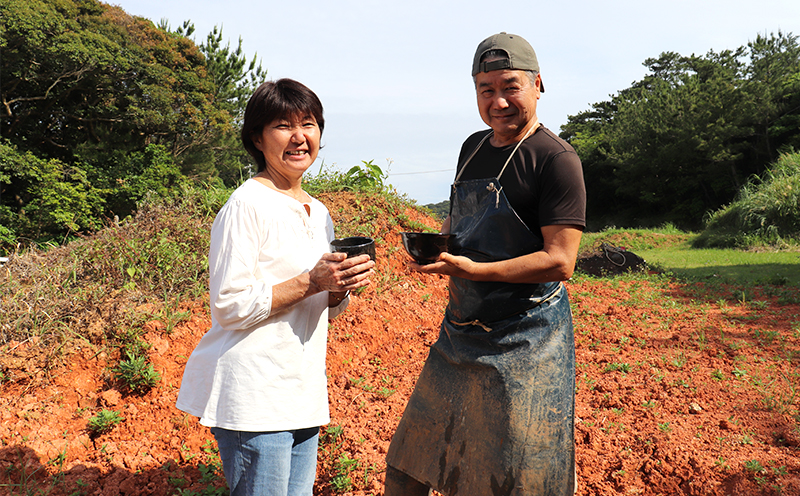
[(492, 412)]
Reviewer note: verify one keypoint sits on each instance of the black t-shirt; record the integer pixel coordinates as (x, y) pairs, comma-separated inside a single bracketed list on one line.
[(543, 182)]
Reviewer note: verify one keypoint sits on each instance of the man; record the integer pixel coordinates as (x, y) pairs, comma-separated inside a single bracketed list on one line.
[(493, 410)]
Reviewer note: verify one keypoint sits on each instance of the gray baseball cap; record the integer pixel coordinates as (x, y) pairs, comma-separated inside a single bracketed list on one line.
[(520, 54)]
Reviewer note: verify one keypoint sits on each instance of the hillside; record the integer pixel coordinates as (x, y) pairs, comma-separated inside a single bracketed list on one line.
[(681, 389)]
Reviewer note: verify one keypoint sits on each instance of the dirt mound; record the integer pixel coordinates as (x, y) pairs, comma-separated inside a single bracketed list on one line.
[(678, 393), (609, 260)]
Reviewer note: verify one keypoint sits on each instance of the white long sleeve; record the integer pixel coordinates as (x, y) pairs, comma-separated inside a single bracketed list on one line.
[(255, 370)]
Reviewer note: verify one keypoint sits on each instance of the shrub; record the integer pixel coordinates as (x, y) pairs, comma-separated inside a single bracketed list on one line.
[(365, 177), (103, 421), (50, 198), (136, 374), (765, 212)]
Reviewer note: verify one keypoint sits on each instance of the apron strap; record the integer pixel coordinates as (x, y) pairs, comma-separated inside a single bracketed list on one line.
[(531, 130), (472, 155), (508, 160)]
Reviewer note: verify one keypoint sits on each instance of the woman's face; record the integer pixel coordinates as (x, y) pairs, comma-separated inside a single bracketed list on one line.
[(289, 145)]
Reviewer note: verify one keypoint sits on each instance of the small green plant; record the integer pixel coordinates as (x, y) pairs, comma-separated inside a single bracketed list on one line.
[(386, 392), (170, 316), (365, 176), (621, 367), (130, 285), (679, 360), (753, 466), (136, 374), (80, 491), (332, 435), (344, 467), (103, 422), (739, 373), (665, 427)]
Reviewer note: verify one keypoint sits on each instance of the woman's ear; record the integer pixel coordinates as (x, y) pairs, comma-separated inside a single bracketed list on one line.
[(256, 139)]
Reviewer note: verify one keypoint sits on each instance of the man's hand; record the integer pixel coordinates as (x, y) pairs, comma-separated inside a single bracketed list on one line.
[(554, 262)]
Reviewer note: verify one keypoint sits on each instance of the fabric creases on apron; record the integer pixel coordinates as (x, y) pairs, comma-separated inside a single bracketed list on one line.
[(492, 413)]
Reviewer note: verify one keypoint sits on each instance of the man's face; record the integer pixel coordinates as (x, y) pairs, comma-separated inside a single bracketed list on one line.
[(507, 103)]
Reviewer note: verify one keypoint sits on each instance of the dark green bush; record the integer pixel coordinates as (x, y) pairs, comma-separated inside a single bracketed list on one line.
[(765, 212)]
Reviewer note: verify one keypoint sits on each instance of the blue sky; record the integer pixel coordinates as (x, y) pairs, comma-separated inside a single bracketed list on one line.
[(394, 77)]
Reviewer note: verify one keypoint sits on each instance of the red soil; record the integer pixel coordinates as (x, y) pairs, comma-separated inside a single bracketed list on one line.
[(674, 396)]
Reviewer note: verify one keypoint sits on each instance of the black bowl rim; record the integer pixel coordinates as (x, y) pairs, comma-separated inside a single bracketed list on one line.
[(442, 235), (366, 240)]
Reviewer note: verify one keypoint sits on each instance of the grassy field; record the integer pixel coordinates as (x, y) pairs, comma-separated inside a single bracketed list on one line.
[(670, 250), (778, 268)]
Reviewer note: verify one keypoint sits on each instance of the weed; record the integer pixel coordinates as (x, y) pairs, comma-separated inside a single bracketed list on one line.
[(679, 360), (621, 367), (343, 468), (206, 491), (82, 487), (665, 427), (103, 422), (753, 466), (386, 392), (170, 316), (27, 480), (136, 374), (332, 434)]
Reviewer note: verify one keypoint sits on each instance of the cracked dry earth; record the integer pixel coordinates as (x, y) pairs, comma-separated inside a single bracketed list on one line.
[(680, 391)]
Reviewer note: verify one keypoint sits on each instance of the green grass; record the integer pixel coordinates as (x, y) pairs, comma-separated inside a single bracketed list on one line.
[(727, 266), (670, 250)]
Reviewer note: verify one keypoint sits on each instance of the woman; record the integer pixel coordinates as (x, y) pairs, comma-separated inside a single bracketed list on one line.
[(257, 378)]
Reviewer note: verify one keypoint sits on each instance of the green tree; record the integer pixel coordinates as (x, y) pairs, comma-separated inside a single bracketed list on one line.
[(234, 81), (772, 92), (43, 198), (82, 79), (109, 106), (684, 139)]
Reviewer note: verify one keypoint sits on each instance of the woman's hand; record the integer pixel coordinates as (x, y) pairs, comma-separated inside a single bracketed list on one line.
[(335, 272)]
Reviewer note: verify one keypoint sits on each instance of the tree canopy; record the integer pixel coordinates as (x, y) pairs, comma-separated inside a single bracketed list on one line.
[(683, 140), (94, 89)]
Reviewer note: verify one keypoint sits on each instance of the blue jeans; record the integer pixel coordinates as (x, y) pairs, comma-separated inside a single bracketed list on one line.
[(282, 463)]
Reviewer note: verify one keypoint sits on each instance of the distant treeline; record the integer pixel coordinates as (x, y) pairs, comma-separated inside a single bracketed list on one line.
[(682, 142), (101, 108), (441, 210)]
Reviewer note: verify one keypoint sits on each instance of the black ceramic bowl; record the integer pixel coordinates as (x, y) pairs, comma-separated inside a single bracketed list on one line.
[(354, 245), (425, 247)]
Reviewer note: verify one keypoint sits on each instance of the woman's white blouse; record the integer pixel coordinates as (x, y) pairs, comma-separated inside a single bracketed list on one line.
[(254, 370)]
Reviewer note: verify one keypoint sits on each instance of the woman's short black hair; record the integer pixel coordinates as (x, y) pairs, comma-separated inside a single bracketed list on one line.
[(281, 99)]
